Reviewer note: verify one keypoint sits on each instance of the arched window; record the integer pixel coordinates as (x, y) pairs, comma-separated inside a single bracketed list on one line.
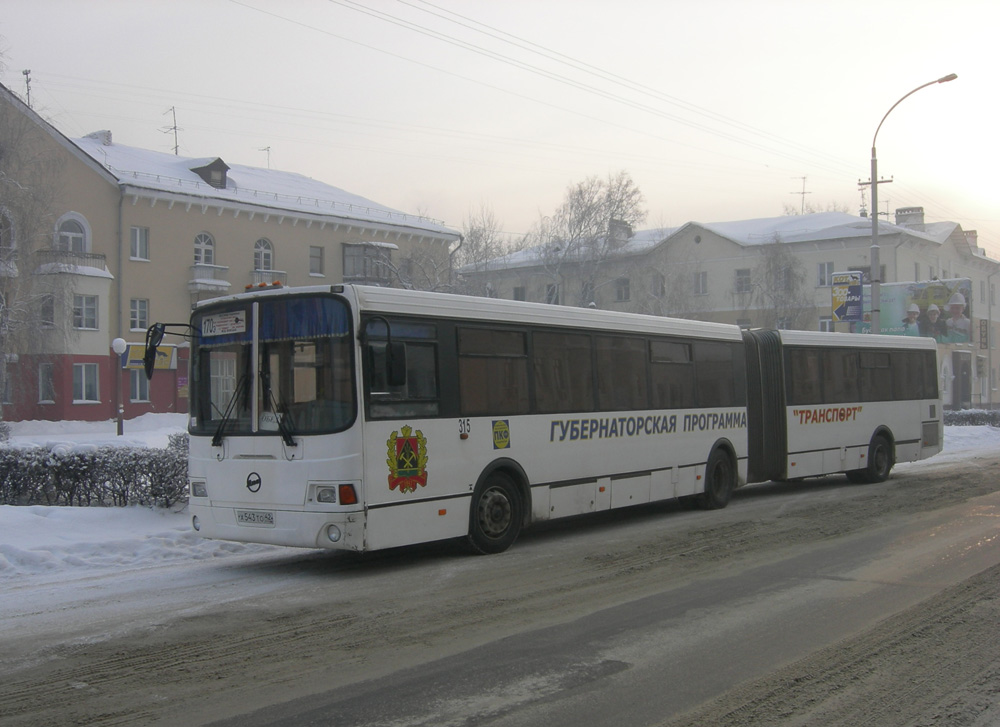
[(263, 255), (72, 233), (204, 249)]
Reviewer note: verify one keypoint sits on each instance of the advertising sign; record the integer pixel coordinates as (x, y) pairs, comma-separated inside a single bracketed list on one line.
[(847, 297), (166, 357), (938, 309)]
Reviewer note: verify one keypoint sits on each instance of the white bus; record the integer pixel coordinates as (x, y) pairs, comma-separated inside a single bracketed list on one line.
[(361, 418)]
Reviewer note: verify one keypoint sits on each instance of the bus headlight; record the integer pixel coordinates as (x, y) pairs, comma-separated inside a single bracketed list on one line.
[(333, 533), (198, 489), (327, 495)]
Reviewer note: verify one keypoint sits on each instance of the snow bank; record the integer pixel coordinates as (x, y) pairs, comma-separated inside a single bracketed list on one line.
[(40, 540)]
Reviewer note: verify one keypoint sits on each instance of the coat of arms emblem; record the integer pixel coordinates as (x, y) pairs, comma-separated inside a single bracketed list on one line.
[(407, 459)]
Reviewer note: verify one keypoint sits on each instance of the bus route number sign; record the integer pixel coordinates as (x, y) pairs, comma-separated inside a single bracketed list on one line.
[(224, 324)]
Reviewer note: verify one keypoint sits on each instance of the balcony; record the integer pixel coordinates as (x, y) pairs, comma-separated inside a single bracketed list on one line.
[(266, 277), (69, 261), (208, 278)]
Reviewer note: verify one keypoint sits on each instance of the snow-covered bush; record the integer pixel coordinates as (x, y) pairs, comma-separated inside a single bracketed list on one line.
[(87, 475), (4, 431), (972, 417)]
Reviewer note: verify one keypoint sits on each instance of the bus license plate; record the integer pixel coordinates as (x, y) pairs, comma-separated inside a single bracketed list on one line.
[(255, 518)]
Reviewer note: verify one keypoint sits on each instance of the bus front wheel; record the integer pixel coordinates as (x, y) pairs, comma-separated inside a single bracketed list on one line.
[(497, 513), (880, 461), (720, 481)]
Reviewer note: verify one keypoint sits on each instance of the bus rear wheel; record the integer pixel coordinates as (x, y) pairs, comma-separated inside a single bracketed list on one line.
[(720, 481), (880, 461), (497, 514)]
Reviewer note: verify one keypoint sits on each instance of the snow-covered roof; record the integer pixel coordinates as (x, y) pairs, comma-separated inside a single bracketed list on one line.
[(787, 228), (269, 188), (816, 227)]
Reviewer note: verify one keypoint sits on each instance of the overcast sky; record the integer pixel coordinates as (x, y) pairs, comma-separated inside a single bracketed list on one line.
[(717, 108)]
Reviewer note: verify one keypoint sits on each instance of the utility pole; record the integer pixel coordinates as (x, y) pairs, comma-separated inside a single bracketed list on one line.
[(802, 206), (167, 130), (268, 150), (27, 84)]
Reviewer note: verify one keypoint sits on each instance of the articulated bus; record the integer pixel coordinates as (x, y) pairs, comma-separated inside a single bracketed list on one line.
[(360, 418)]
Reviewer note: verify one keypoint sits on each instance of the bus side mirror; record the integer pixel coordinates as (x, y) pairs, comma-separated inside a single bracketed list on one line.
[(395, 363), (154, 334)]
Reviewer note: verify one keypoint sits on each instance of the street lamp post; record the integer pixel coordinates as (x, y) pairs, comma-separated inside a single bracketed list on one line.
[(876, 275), (118, 346)]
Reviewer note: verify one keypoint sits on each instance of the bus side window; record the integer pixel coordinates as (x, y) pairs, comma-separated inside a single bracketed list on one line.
[(876, 376), (671, 375), (803, 382), (415, 368), (387, 364), (492, 371)]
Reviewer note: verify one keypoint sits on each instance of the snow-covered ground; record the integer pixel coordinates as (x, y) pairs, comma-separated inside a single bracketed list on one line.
[(40, 542)]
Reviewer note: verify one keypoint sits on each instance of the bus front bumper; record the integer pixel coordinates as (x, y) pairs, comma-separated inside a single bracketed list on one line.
[(296, 528)]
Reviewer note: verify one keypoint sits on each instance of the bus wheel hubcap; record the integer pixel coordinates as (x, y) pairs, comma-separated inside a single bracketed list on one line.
[(494, 513)]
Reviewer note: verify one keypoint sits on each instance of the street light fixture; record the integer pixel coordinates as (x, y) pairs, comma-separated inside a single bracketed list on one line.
[(118, 346), (876, 275)]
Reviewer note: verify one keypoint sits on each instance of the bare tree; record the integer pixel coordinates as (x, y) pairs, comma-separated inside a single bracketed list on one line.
[(479, 257), (594, 221), (810, 209), (779, 294), (28, 300)]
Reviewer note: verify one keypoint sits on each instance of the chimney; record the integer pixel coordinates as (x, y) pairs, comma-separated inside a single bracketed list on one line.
[(103, 136), (972, 237), (910, 216)]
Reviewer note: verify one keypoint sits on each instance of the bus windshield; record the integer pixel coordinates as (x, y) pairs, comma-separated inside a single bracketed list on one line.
[(277, 366)]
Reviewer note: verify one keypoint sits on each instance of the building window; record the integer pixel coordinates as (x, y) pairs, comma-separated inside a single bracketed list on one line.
[(139, 243), (46, 384), (71, 237), (552, 294), (85, 383), (138, 385), (621, 289), (8, 388), (826, 324), (139, 314), (993, 293), (744, 284), (519, 292), (315, 260), (367, 264), (204, 249), (85, 311), (6, 233), (658, 286), (587, 293), (47, 311), (263, 255), (982, 291), (930, 273), (744, 322), (825, 274), (701, 283), (916, 271)]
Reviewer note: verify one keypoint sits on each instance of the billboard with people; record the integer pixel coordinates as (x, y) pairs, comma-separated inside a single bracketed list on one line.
[(938, 309)]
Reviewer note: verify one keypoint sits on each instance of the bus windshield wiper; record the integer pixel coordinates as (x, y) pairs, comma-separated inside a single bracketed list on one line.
[(230, 408)]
